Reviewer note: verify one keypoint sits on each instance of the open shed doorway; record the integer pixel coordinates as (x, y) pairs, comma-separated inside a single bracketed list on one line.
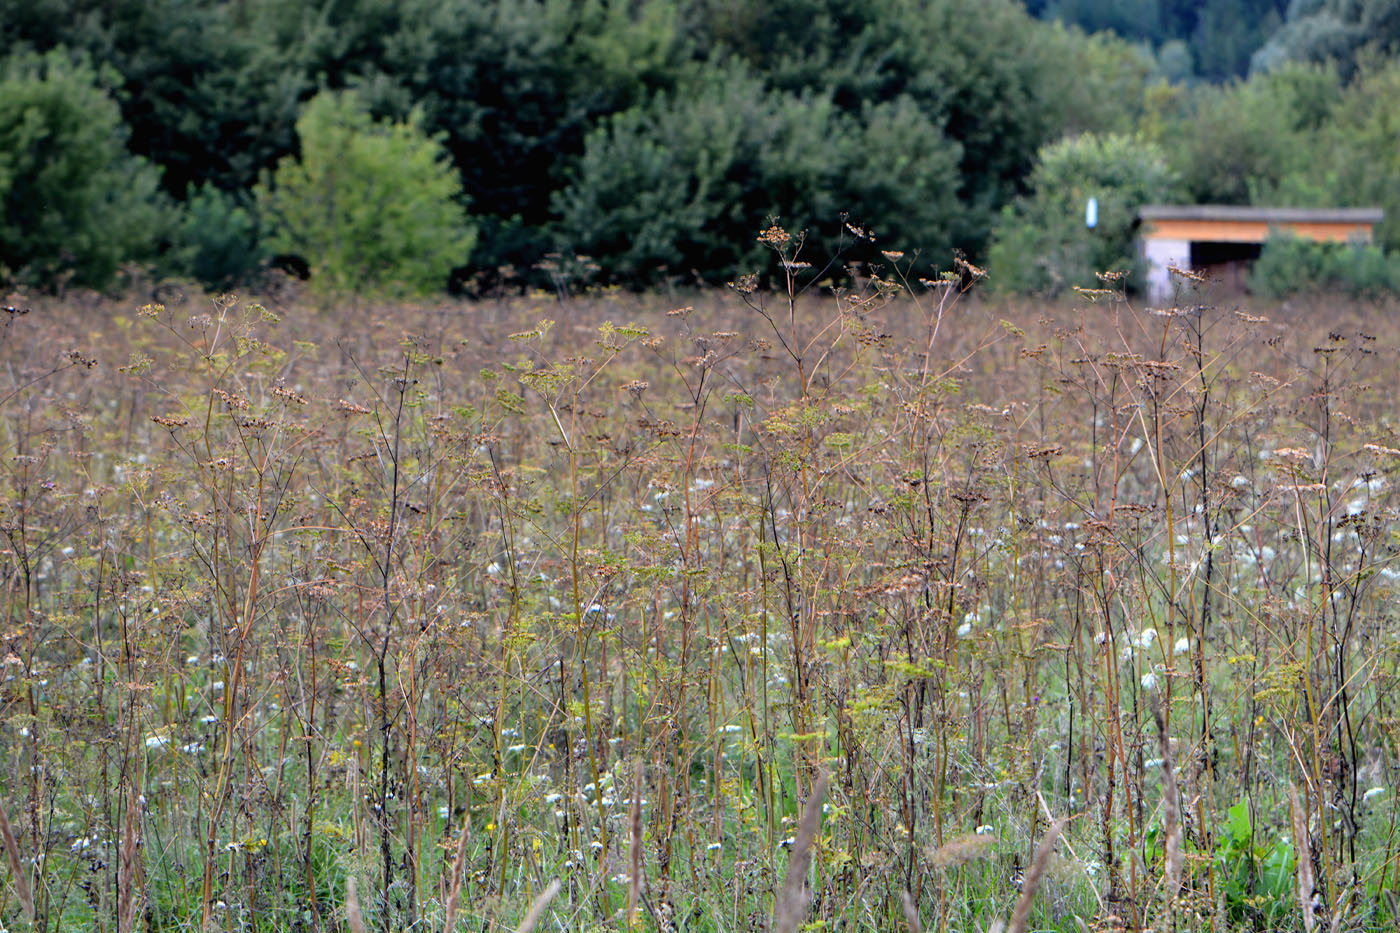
[(1224, 263)]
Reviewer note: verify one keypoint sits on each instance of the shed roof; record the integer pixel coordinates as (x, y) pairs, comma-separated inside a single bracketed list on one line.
[(1265, 215)]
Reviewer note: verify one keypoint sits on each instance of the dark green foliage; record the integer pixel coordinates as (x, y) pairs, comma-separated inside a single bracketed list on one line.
[(218, 241), (1000, 84), (684, 184), (1228, 32), (986, 73), (1132, 19), (1296, 136), (1218, 36), (1291, 266), (899, 180), (212, 90), (869, 104), (654, 189), (1344, 32), (1107, 90), (1043, 245), (208, 93), (1357, 162), (516, 86), (1247, 136), (581, 124), (371, 206), (74, 203)]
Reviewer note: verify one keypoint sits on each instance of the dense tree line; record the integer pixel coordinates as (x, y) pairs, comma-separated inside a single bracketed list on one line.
[(1209, 39), (642, 142)]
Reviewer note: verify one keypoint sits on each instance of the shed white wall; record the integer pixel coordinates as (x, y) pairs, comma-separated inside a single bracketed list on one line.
[(1161, 253)]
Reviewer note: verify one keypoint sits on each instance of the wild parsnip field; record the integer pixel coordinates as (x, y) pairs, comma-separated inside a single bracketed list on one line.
[(457, 606)]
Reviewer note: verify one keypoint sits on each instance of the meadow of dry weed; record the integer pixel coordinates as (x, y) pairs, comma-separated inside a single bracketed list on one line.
[(466, 606)]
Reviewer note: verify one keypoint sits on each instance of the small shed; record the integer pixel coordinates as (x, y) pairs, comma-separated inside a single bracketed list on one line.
[(1221, 240)]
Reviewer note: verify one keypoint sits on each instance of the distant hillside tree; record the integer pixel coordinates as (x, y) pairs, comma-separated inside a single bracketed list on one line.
[(1235, 142), (1219, 35), (1043, 245), (1339, 31), (515, 86), (681, 186), (218, 241), (209, 92), (1347, 159), (74, 204), (990, 76), (372, 206)]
